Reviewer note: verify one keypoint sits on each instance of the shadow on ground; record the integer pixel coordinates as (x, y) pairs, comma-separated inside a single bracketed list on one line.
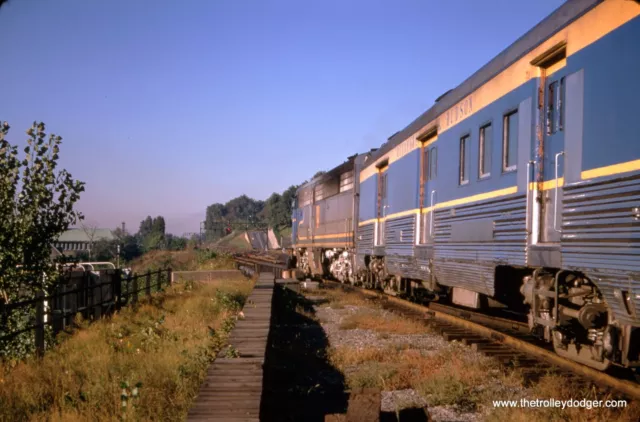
[(300, 384)]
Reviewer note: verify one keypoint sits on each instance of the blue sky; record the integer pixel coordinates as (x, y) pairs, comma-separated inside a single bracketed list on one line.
[(168, 106)]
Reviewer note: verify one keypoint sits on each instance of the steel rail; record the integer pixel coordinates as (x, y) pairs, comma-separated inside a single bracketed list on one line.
[(481, 325), (447, 314)]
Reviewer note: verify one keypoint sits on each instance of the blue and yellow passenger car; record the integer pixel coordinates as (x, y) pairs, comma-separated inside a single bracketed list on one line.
[(520, 187)]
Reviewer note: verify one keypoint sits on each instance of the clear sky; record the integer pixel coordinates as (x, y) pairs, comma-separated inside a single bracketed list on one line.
[(166, 107)]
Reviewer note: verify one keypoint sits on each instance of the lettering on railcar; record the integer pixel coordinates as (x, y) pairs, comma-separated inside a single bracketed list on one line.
[(456, 113), (404, 148)]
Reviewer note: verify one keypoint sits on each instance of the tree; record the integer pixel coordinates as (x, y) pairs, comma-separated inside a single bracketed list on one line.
[(89, 229), (215, 220), (36, 204), (278, 208), (287, 201), (244, 212), (240, 211), (158, 225), (153, 242), (146, 227), (243, 208), (119, 234), (318, 174), (175, 243), (130, 248), (104, 250), (272, 208), (152, 233)]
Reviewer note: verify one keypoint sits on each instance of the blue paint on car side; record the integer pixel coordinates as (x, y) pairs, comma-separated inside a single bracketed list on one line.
[(403, 180), (368, 199), (611, 94)]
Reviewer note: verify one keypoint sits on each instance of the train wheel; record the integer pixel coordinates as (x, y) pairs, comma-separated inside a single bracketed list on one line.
[(582, 353)]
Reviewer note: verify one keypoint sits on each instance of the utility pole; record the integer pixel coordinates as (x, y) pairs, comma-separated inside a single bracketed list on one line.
[(201, 228)]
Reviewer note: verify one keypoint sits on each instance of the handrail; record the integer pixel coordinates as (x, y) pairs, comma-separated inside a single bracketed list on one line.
[(555, 201), (92, 265), (527, 214), (431, 220)]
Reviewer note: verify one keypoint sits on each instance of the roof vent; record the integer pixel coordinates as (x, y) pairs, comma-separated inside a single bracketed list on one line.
[(389, 138), (443, 95)]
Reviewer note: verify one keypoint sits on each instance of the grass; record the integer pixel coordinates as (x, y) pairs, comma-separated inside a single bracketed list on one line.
[(451, 376), (383, 322), (447, 377), (145, 363), (186, 260), (559, 388), (234, 240), (338, 298)]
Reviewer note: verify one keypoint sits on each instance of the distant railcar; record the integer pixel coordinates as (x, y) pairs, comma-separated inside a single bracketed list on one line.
[(324, 221), (520, 188)]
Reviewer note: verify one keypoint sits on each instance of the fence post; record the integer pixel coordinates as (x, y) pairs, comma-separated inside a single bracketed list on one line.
[(97, 304), (116, 288), (170, 275), (148, 286), (40, 324), (57, 309), (81, 299), (134, 289)]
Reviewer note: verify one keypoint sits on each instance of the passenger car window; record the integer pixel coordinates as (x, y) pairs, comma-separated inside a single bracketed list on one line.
[(486, 139), (464, 160), (510, 141)]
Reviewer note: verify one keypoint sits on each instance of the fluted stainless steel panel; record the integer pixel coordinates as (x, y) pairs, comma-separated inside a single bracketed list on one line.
[(471, 264), (601, 237)]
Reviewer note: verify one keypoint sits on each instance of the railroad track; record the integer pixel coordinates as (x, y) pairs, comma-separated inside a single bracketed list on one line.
[(253, 264), (504, 339)]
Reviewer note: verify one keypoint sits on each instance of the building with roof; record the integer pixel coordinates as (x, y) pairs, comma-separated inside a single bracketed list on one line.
[(77, 240)]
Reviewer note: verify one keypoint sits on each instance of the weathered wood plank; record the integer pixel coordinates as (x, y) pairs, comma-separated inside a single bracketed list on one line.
[(232, 388)]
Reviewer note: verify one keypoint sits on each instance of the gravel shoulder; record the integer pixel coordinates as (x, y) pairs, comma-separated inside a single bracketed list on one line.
[(395, 373)]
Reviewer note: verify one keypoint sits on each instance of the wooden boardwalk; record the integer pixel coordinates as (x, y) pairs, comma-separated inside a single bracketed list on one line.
[(232, 389)]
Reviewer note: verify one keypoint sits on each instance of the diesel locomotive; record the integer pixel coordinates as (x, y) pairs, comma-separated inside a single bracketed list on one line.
[(519, 188)]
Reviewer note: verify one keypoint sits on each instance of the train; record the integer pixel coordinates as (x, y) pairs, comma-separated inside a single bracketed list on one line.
[(519, 189)]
